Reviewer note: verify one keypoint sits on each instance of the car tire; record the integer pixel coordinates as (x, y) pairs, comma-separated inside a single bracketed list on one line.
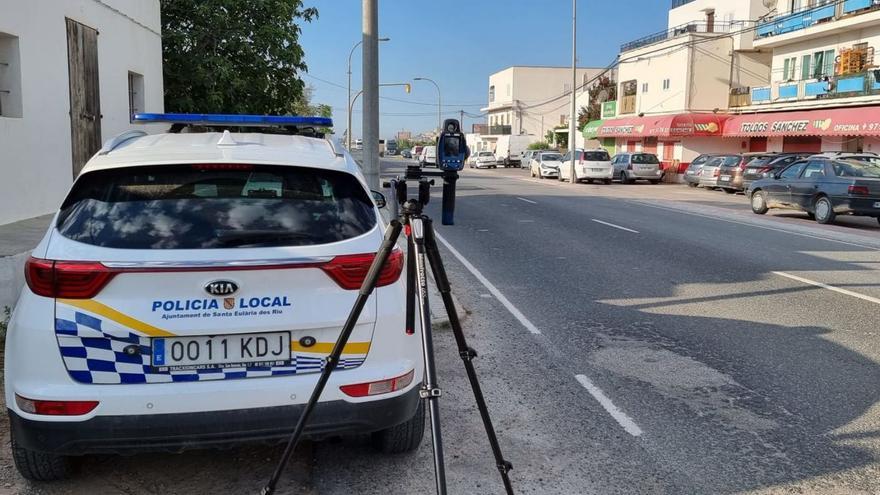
[(759, 202), (824, 210), (624, 179), (692, 184), (540, 175), (811, 216), (40, 466), (589, 181), (607, 181), (655, 181), (405, 437), (730, 191)]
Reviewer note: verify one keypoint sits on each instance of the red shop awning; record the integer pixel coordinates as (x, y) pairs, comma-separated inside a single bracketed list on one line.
[(859, 121), (665, 126)]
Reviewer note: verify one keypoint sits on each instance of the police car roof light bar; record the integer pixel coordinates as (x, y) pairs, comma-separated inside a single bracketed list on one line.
[(232, 120)]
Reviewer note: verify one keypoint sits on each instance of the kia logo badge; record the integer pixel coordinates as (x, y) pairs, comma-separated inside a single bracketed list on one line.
[(221, 288)]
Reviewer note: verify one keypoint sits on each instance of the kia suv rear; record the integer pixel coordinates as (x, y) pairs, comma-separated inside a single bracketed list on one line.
[(187, 294)]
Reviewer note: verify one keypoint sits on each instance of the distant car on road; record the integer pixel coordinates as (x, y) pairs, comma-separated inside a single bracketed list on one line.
[(695, 169), (406, 153), (822, 188), (766, 166), (630, 167), (546, 165), (589, 165), (730, 175), (484, 159), (428, 158), (526, 160)]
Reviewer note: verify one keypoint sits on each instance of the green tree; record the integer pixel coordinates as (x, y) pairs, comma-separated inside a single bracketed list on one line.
[(233, 56), (603, 90)]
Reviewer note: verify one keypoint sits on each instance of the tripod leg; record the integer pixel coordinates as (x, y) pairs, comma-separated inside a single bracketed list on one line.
[(467, 353), (391, 235), (430, 391)]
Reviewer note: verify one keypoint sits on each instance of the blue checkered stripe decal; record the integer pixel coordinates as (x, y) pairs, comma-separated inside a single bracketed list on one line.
[(93, 352)]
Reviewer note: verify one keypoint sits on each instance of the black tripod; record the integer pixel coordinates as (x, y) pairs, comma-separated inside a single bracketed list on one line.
[(422, 250)]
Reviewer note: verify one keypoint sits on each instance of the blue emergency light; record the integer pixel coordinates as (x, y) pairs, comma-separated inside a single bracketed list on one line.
[(218, 119)]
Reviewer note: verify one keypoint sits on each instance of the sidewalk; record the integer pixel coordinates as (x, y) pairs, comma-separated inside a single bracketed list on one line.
[(17, 239)]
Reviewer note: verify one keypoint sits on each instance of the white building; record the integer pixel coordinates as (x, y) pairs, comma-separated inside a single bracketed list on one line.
[(674, 86), (71, 74), (528, 100), (824, 67)]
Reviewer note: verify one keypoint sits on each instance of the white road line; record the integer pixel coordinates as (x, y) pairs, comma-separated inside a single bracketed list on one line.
[(829, 287), (747, 224), (492, 289), (527, 200), (616, 226), (621, 417)]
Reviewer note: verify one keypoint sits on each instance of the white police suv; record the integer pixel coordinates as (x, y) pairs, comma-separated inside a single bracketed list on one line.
[(188, 290)]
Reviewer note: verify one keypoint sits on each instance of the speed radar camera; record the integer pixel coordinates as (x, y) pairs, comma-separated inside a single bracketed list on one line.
[(452, 150)]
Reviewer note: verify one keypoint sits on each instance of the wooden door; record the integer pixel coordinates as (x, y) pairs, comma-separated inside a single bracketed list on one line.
[(85, 95)]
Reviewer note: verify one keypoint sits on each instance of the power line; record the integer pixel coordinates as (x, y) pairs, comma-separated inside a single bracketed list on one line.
[(401, 100)]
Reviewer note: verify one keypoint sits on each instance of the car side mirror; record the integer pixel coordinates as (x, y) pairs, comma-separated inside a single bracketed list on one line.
[(379, 199)]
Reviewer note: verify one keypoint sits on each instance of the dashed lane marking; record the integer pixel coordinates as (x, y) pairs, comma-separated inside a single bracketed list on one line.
[(616, 226), (527, 200), (621, 417)]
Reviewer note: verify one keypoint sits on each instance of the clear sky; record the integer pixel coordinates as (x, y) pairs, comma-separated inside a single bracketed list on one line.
[(459, 43)]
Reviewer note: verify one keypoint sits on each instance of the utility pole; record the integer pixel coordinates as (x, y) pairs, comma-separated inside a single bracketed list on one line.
[(461, 119), (371, 92), (572, 121)]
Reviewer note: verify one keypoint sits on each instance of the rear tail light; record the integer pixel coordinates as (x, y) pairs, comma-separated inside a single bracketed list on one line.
[(859, 190), (379, 387), (223, 166), (350, 271), (66, 279), (55, 407)]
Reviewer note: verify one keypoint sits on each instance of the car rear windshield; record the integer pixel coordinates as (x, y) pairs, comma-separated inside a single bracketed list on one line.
[(759, 162), (215, 206), (644, 158), (854, 168), (725, 161), (596, 156)]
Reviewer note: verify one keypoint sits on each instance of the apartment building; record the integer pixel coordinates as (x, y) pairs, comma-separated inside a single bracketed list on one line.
[(530, 100), (71, 75), (823, 89), (674, 86)]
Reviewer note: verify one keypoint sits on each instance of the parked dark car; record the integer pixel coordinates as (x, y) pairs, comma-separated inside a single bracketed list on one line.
[(730, 175), (406, 153), (695, 169), (766, 166), (822, 188)]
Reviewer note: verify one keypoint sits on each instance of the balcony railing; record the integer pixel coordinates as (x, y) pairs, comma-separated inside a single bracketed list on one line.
[(492, 130), (678, 3), (847, 86), (684, 29), (810, 16)]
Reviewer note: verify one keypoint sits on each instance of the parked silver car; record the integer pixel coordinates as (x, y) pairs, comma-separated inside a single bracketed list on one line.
[(711, 169), (630, 167)]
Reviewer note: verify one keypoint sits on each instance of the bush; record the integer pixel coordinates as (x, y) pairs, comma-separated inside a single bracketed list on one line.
[(541, 145)]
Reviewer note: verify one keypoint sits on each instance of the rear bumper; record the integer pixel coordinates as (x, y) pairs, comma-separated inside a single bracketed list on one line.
[(215, 429), (857, 206)]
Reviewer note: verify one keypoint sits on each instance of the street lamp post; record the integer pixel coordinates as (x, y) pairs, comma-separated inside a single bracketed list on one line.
[(439, 102), (348, 129), (406, 87)]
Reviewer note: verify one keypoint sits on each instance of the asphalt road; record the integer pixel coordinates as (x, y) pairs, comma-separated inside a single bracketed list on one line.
[(685, 345)]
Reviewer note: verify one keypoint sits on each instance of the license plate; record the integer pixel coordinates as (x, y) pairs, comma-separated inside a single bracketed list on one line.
[(877, 204), (597, 170), (751, 170), (221, 351), (725, 178)]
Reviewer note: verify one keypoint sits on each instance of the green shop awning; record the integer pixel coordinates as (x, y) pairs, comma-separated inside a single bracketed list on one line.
[(591, 128)]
